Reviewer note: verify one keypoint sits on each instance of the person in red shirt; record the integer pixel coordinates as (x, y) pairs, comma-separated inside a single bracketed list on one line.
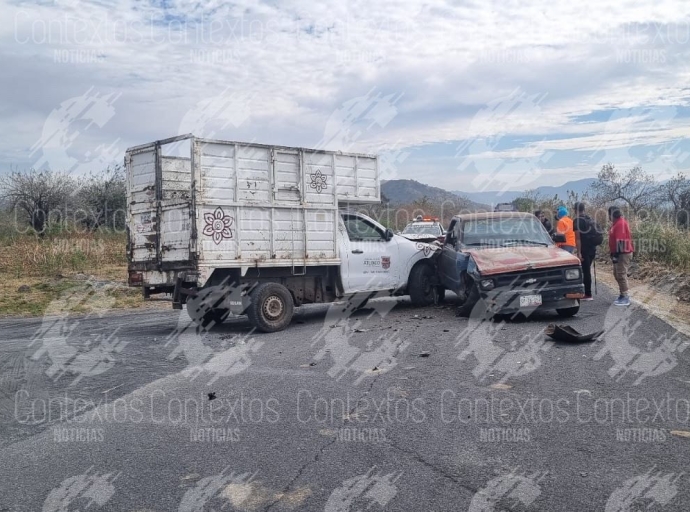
[(621, 248)]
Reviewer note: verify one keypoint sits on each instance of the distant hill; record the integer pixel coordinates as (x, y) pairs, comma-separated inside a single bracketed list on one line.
[(493, 197), (403, 192)]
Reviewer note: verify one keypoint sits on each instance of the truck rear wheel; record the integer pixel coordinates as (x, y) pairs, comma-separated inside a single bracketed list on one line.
[(421, 285), (271, 307)]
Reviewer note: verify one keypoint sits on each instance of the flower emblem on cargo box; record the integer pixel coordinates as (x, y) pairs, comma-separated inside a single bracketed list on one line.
[(318, 181), (218, 225)]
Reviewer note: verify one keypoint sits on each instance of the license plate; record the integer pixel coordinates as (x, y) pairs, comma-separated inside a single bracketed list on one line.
[(527, 301)]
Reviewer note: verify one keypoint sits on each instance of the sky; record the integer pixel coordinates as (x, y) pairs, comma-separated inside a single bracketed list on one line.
[(463, 95)]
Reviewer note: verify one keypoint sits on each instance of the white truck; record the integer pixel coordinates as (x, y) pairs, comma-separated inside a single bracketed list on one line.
[(243, 228)]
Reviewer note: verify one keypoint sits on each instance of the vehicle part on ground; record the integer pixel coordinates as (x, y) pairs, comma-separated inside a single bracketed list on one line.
[(562, 332)]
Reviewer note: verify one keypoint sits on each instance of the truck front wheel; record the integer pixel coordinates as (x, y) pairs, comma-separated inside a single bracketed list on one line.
[(421, 285), (271, 307)]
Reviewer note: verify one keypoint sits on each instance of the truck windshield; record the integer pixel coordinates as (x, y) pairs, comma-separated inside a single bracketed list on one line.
[(505, 232), (422, 229)]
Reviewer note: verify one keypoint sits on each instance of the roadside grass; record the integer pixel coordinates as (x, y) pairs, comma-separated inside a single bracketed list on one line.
[(662, 244), (64, 272)]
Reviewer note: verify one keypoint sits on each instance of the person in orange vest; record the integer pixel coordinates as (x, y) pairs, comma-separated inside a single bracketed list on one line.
[(564, 226)]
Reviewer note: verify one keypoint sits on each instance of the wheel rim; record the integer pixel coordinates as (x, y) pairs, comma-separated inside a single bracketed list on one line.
[(273, 307)]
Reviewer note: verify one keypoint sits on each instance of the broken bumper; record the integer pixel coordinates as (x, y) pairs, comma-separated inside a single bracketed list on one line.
[(508, 300)]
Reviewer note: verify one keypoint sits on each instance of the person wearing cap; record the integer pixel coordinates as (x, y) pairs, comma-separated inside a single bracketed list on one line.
[(564, 226)]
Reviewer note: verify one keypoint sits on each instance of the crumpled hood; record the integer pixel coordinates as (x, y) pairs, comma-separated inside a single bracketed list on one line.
[(514, 259), (415, 237)]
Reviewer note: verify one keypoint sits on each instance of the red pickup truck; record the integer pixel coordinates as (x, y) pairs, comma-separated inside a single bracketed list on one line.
[(507, 263)]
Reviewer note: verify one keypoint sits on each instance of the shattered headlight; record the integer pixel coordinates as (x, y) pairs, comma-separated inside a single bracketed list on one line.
[(486, 284), (572, 273)]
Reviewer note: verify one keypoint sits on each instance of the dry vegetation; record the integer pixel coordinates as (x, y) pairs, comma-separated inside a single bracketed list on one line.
[(41, 272)]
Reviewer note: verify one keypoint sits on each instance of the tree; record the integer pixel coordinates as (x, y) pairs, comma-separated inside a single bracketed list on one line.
[(683, 212), (635, 187), (103, 199), (41, 196), (674, 189)]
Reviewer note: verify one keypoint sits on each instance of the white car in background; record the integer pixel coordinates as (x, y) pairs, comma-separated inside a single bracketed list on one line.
[(424, 229)]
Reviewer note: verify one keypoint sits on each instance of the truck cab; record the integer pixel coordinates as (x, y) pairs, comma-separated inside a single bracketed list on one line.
[(506, 262), (376, 259)]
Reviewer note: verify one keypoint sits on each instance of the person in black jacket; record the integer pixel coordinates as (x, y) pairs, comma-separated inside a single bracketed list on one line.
[(585, 231), (546, 222)]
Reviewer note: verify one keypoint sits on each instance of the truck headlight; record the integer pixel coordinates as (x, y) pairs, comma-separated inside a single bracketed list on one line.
[(572, 273), (486, 284)]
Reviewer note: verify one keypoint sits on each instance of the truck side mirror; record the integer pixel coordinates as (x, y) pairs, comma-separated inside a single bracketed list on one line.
[(388, 235)]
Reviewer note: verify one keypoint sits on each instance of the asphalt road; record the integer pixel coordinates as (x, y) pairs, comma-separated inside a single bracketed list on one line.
[(391, 408)]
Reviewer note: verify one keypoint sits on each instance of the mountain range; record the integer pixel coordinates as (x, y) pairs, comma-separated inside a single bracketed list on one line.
[(399, 192), (493, 197)]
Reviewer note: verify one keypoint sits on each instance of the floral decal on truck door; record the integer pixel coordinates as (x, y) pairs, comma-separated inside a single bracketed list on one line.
[(218, 225)]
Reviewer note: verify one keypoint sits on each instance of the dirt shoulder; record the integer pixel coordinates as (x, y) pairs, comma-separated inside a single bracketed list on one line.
[(663, 292), (74, 293)]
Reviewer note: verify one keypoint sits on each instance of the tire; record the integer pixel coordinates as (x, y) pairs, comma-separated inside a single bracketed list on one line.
[(472, 300), (568, 312), (271, 307), (421, 285)]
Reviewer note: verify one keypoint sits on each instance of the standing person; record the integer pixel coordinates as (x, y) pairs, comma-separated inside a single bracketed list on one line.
[(588, 236), (545, 222), (564, 226), (621, 248)]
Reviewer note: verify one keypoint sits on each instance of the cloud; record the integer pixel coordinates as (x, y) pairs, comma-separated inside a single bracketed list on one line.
[(288, 67)]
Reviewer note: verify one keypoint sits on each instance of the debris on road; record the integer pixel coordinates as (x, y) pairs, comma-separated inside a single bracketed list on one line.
[(212, 396), (680, 433), (424, 354), (566, 333)]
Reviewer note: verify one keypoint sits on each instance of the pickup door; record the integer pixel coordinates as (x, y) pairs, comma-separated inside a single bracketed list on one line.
[(452, 262), (372, 261)]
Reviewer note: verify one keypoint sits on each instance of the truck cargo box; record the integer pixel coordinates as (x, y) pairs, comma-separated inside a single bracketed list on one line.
[(220, 204)]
